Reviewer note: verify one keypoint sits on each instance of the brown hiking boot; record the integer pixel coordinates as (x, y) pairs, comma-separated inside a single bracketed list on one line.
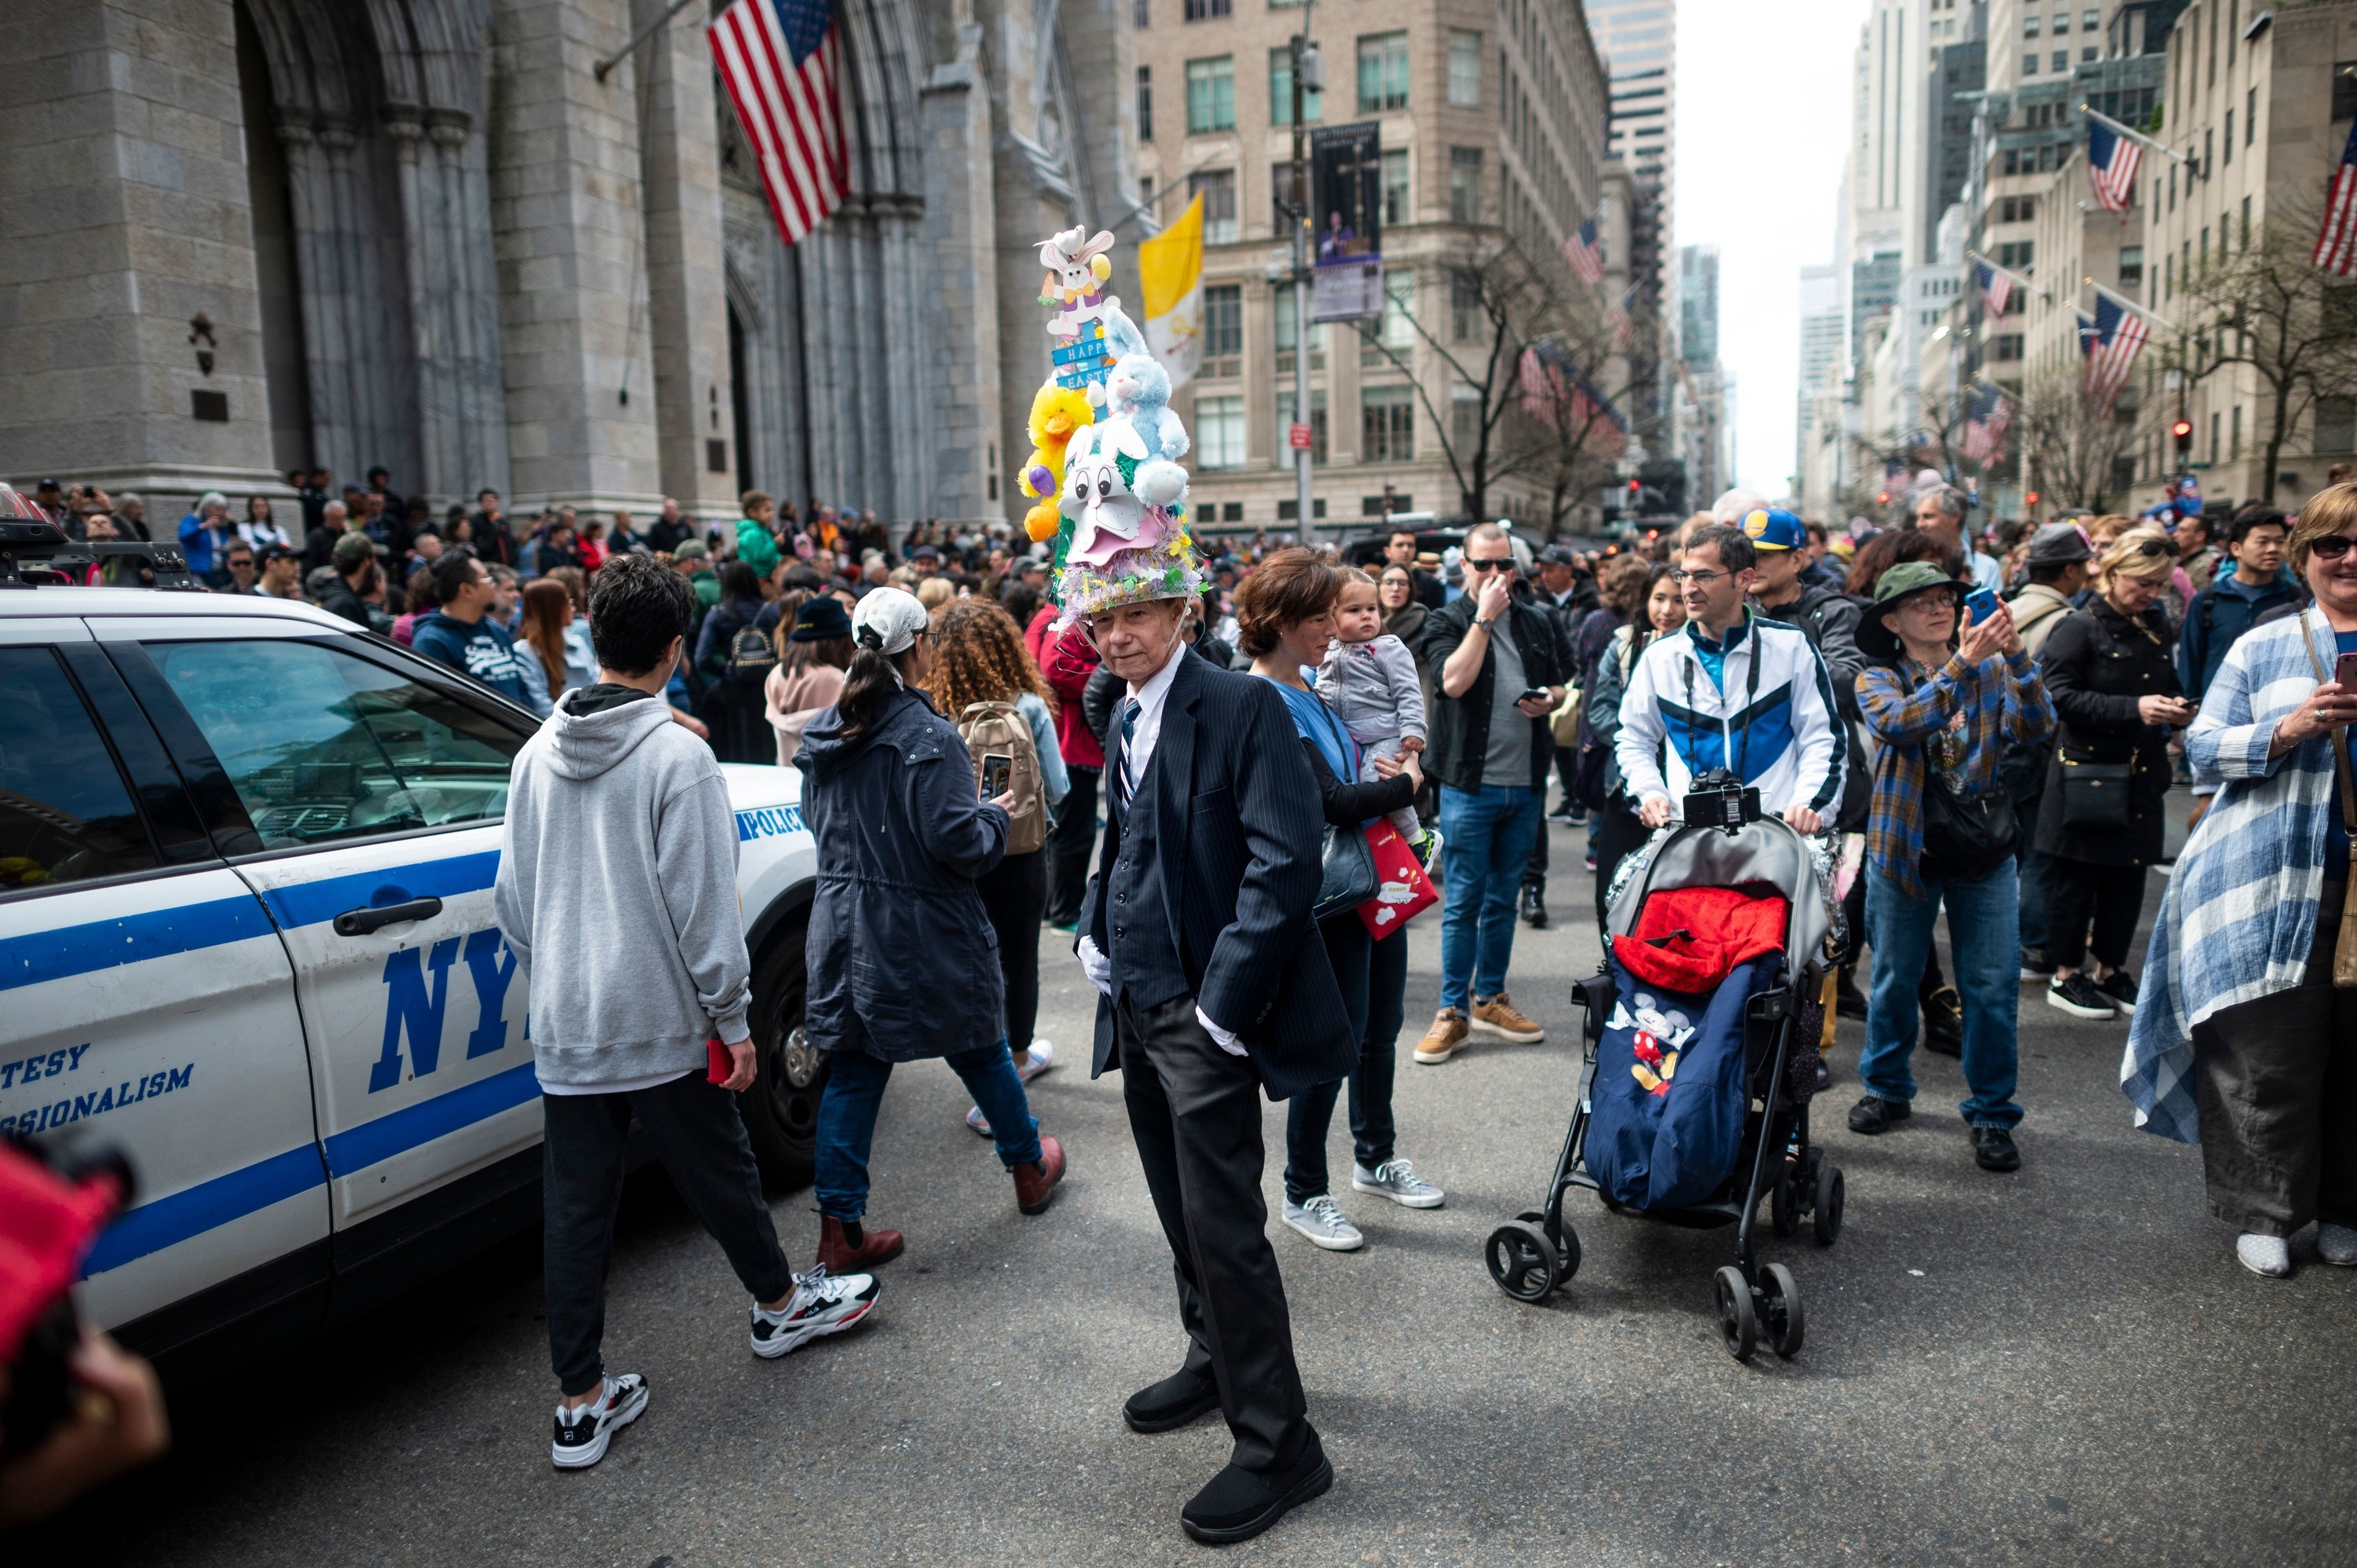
[(1443, 1039), (1034, 1184), (842, 1258), (1496, 1015)]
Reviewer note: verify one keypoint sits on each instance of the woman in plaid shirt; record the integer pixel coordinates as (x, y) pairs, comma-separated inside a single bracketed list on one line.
[(1942, 711)]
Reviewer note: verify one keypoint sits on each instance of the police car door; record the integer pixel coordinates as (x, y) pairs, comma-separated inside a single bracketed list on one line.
[(145, 1000), (376, 794)]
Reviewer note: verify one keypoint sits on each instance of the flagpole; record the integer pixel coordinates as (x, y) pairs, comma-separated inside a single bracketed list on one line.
[(2024, 281), (2127, 303), (2135, 134), (600, 67)]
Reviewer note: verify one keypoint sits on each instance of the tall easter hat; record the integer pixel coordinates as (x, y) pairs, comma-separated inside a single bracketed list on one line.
[(1120, 501)]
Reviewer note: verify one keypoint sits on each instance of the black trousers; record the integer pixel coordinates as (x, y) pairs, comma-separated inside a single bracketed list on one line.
[(1619, 834), (1195, 1112), (2276, 1081), (693, 1126), (1534, 872), (1566, 759), (1013, 894), (1070, 843), (2113, 896), (1373, 977)]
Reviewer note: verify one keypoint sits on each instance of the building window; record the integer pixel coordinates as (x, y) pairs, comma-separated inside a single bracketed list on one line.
[(1145, 103), (2017, 209), (2131, 265), (2061, 62), (1387, 424), (2006, 346), (2029, 63), (1395, 201), (1220, 432), (1382, 72), (1465, 184), (2234, 427), (1280, 93), (1464, 68), (2336, 424), (1283, 336), (1204, 10), (1465, 312), (1390, 338), (1140, 14), (1218, 188), (1465, 420), (2246, 223), (2016, 253), (2230, 136), (1210, 95), (2030, 27), (2061, 23), (1384, 505), (1285, 459), (1223, 323), (2342, 77)]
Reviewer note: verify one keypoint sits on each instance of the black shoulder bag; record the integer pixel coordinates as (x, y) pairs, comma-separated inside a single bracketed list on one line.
[(1964, 837)]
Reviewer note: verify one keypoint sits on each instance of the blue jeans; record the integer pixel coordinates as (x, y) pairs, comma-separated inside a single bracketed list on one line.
[(1982, 932), (1486, 837), (855, 1089)]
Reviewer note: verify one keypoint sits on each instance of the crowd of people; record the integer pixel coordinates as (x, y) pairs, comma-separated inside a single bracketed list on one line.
[(1985, 722)]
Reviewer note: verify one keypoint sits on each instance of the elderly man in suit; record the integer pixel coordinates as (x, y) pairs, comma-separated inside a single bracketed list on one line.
[(1197, 931)]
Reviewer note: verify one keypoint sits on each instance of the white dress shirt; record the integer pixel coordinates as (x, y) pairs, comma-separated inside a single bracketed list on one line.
[(1136, 756)]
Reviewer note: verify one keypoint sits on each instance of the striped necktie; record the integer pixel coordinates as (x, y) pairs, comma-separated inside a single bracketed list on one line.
[(1129, 777)]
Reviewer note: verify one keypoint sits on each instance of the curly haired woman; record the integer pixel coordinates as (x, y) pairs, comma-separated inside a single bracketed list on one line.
[(979, 656)]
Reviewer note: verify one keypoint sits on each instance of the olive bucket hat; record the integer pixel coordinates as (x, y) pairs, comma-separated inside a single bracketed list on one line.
[(1908, 577)]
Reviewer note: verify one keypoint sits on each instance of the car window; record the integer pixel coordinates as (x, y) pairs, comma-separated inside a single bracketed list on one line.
[(65, 812), (321, 744)]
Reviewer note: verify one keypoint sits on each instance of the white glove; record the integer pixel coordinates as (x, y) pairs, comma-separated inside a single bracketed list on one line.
[(1219, 1038), (1098, 967)]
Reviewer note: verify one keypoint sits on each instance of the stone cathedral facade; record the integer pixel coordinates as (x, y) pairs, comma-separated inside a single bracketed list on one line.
[(246, 236)]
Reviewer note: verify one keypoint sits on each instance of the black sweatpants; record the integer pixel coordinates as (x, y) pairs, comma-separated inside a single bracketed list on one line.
[(693, 1126), (1195, 1112), (1014, 892), (2276, 1082), (1069, 843), (2113, 896)]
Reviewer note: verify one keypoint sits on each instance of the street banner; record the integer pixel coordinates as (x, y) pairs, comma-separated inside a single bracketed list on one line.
[(1170, 276), (1346, 186)]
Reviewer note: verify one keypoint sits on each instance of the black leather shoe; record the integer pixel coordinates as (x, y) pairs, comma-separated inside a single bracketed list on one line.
[(1534, 913), (1874, 1115), (1993, 1150), (1943, 1023), (1236, 1504), (1176, 1400)]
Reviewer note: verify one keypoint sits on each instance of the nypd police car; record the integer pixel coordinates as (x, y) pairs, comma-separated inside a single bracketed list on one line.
[(246, 857)]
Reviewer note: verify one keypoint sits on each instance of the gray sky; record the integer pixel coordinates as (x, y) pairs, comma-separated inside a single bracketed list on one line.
[(1762, 116)]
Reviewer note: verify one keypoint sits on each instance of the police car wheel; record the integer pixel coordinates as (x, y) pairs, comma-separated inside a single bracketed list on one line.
[(781, 1111)]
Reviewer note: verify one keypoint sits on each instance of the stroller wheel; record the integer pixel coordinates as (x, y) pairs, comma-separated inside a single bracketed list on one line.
[(1565, 1240), (1522, 1261), (1739, 1325), (1829, 1204), (1780, 1298), (1783, 1205)]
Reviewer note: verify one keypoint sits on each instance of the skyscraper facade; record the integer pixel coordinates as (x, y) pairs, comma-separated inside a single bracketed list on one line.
[(1638, 39)]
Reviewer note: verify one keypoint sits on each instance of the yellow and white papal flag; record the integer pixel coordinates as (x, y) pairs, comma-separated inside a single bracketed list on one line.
[(1171, 271)]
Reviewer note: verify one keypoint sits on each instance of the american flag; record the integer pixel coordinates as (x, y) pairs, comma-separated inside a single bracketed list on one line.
[(2111, 343), (1553, 389), (1996, 286), (1585, 252), (1985, 418), (2112, 160), (1624, 330), (2335, 242), (778, 59)]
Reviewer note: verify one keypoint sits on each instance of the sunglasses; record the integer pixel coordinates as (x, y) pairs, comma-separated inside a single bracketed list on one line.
[(1503, 563), (2332, 546), (2152, 547)]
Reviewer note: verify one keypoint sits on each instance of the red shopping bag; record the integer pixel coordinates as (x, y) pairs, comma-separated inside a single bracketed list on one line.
[(1401, 889)]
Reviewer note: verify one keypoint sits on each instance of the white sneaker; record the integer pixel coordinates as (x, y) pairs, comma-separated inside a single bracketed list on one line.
[(1323, 1223), (822, 1303), (2336, 1244), (1043, 1056), (2267, 1255), (1397, 1180), (582, 1434)]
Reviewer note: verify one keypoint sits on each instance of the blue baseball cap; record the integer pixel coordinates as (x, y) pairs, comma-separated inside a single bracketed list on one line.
[(1773, 527)]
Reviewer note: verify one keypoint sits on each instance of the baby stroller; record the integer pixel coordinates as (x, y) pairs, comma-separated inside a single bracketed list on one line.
[(1699, 1145)]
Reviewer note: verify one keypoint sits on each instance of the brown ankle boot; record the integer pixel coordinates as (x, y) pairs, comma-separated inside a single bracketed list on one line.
[(1034, 1184), (841, 1257)]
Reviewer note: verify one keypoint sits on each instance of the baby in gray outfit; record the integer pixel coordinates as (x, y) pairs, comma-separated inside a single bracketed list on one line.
[(1368, 679)]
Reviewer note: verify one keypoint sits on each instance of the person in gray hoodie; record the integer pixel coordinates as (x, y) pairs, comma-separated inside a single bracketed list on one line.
[(620, 842)]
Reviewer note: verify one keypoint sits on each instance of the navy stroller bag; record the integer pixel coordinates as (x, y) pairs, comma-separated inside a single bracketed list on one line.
[(1670, 1097)]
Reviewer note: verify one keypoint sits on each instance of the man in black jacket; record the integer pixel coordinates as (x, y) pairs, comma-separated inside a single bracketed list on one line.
[(1498, 674), (1215, 986), (354, 560)]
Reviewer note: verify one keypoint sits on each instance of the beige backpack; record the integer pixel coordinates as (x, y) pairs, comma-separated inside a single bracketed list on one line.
[(1000, 736)]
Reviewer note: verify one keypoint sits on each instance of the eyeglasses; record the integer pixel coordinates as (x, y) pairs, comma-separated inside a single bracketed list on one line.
[(1503, 563), (1700, 579), (2332, 546)]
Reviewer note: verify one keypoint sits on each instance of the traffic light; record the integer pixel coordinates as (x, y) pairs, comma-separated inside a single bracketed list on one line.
[(2183, 434), (2030, 499), (1883, 498)]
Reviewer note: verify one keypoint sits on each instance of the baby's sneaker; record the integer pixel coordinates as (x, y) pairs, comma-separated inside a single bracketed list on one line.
[(583, 1431), (1426, 845)]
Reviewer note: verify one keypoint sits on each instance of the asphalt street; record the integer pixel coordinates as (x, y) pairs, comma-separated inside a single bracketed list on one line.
[(2064, 1364)]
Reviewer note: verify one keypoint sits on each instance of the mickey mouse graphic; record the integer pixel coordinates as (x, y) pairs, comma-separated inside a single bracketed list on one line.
[(1661, 1035)]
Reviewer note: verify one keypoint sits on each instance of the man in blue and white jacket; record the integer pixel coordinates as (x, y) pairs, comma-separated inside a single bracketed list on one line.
[(1735, 691)]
